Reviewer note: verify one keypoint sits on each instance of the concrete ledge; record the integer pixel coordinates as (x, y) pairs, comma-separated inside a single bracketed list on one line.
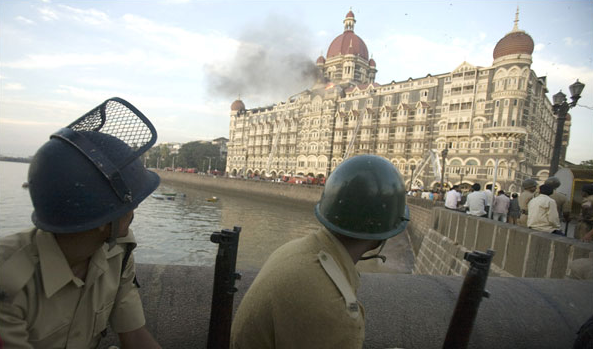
[(404, 311), (520, 251), (264, 189)]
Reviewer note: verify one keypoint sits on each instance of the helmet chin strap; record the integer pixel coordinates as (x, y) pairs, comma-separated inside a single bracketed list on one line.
[(114, 234), (376, 255)]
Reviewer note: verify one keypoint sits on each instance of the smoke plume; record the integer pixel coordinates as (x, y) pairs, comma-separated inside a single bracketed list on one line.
[(272, 62)]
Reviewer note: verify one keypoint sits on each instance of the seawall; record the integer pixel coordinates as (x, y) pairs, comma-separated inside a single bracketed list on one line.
[(303, 193), (403, 311)]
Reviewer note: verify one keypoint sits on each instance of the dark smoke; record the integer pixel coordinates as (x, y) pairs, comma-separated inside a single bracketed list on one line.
[(273, 62)]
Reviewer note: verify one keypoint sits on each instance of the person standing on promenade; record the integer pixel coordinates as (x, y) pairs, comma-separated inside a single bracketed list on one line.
[(584, 229), (500, 208), (476, 202), (489, 197), (64, 280), (453, 198), (514, 209), (529, 186), (305, 294), (543, 214)]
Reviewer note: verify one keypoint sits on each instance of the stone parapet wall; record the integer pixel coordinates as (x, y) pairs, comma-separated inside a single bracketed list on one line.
[(280, 190), (520, 251)]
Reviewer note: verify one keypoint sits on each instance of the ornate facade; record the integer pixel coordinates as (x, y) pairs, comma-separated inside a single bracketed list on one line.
[(480, 114)]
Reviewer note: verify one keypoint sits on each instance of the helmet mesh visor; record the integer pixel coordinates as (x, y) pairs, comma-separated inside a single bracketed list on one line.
[(122, 120)]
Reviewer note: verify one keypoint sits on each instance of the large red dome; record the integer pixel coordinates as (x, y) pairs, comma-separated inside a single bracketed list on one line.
[(515, 42), (341, 46), (238, 105)]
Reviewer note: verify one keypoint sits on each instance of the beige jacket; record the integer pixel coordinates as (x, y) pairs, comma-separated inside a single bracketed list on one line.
[(543, 214)]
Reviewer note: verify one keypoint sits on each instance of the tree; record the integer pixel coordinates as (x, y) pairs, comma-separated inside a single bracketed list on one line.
[(200, 155), (587, 164)]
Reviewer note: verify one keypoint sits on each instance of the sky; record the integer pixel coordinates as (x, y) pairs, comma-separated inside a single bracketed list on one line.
[(183, 62)]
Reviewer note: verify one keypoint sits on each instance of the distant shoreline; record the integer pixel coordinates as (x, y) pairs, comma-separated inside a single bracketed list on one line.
[(15, 159)]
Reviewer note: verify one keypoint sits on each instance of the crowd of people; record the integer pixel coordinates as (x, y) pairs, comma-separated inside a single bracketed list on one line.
[(538, 207)]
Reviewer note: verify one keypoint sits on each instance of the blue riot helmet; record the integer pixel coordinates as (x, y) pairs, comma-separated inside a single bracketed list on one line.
[(89, 173), (364, 198)]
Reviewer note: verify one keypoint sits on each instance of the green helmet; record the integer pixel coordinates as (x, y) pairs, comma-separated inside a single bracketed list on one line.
[(554, 182), (364, 198), (529, 183)]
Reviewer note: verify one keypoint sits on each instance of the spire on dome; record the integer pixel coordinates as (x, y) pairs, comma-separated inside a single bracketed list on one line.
[(349, 21), (516, 26)]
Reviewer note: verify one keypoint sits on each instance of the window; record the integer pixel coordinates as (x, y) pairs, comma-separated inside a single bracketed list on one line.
[(370, 102), (506, 102), (497, 103), (515, 102)]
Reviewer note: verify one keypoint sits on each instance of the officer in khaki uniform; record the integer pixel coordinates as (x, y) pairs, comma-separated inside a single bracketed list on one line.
[(305, 294), (529, 186), (561, 201), (64, 281), (584, 229)]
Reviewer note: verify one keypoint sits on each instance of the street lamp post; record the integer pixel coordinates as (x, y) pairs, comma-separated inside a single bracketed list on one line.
[(412, 167), (444, 154), (560, 109)]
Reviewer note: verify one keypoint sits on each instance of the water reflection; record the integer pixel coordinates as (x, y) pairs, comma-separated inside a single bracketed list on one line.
[(178, 232)]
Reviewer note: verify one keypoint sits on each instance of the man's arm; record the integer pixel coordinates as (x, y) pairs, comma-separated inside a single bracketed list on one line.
[(588, 237), (127, 316), (140, 338), (13, 328), (553, 217)]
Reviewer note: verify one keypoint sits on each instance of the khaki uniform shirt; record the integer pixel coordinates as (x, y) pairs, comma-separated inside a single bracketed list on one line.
[(43, 305), (294, 303), (586, 219), (561, 203), (524, 199)]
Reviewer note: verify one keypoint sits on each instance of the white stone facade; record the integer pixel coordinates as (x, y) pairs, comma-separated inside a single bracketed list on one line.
[(479, 113)]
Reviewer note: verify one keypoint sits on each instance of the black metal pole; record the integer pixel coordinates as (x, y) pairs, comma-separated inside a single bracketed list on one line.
[(561, 118), (221, 311), (468, 303)]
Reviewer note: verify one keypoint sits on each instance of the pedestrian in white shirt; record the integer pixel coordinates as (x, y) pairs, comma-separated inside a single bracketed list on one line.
[(489, 197), (476, 202), (500, 208), (453, 198), (543, 213)]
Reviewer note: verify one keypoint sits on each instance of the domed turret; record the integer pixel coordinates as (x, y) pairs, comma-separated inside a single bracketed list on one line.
[(348, 42), (515, 42), (237, 105), (320, 60), (372, 63)]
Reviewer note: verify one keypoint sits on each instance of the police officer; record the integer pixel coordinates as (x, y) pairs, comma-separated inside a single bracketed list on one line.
[(584, 229), (64, 280), (529, 186), (562, 203), (305, 294)]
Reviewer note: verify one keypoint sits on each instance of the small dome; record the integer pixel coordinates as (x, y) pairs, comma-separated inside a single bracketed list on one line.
[(237, 105), (320, 60), (350, 14), (372, 63), (515, 42)]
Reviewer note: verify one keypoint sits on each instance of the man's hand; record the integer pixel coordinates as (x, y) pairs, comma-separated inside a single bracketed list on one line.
[(588, 237), (140, 338)]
